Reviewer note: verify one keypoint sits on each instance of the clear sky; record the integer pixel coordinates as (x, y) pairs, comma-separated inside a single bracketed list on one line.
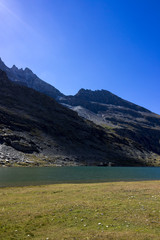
[(93, 44)]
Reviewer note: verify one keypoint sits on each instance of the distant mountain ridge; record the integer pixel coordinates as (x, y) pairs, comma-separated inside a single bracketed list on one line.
[(115, 114), (27, 78), (100, 99)]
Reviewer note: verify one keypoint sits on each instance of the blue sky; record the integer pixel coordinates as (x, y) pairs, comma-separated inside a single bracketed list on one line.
[(93, 44)]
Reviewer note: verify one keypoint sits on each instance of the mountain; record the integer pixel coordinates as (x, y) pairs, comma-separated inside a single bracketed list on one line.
[(131, 131), (99, 100), (135, 124), (27, 78), (36, 130)]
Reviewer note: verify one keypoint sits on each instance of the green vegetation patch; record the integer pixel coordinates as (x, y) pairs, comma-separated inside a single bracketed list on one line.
[(123, 210), (108, 128)]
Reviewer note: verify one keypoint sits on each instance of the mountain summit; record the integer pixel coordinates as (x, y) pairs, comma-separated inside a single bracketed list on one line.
[(28, 78), (101, 97)]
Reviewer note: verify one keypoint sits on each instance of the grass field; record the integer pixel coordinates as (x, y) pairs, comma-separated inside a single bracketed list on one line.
[(118, 210)]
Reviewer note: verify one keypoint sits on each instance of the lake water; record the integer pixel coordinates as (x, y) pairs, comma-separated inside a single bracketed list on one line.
[(50, 175)]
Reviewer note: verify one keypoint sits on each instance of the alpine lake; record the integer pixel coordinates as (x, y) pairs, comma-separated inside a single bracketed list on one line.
[(22, 176)]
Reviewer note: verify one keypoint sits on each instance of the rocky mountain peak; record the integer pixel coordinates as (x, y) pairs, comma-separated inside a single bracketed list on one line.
[(27, 70), (93, 93), (101, 96), (83, 91), (27, 78), (14, 68)]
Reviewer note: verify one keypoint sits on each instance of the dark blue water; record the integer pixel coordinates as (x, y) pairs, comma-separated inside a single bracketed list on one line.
[(48, 175)]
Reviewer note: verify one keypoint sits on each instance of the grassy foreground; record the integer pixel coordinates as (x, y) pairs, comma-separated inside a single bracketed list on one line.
[(120, 210)]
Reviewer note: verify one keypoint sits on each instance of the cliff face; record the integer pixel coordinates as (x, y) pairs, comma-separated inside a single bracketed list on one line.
[(36, 130)]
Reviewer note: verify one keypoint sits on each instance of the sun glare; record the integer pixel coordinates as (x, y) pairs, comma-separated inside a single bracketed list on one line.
[(2, 5), (10, 15)]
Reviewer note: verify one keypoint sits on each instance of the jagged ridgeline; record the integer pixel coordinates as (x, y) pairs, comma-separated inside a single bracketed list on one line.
[(36, 130), (27, 78)]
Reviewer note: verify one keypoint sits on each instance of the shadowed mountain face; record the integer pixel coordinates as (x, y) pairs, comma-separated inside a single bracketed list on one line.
[(35, 129), (27, 78), (125, 119)]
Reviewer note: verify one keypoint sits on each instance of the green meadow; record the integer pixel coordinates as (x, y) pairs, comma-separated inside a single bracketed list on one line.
[(115, 210)]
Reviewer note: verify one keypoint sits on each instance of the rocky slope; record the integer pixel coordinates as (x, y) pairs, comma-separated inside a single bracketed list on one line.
[(36, 130), (27, 78), (124, 119)]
